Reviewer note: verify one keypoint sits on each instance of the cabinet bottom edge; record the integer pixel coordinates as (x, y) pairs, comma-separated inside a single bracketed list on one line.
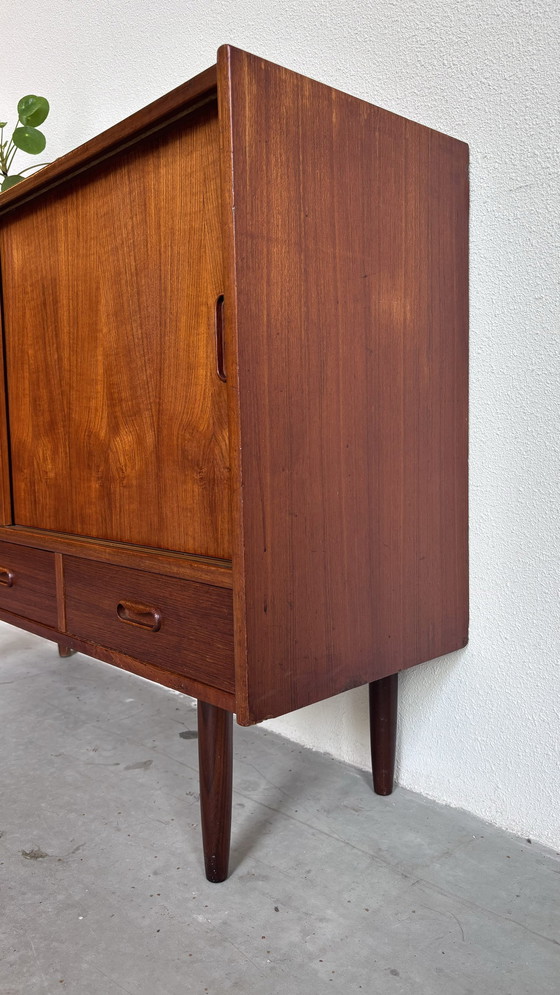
[(158, 675)]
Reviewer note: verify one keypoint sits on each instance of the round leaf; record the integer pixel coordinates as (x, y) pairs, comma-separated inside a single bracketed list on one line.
[(10, 181), (29, 140), (33, 110)]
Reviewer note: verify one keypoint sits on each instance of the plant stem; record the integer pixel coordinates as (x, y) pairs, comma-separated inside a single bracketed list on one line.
[(38, 165), (13, 149), (3, 153)]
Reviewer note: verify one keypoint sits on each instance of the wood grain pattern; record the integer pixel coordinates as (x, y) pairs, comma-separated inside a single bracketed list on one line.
[(201, 569), (168, 109), (346, 340), (32, 589), (195, 636), (118, 417)]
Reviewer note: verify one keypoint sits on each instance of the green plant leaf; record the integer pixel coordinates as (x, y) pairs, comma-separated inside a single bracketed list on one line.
[(10, 181), (33, 110), (29, 139), (3, 124)]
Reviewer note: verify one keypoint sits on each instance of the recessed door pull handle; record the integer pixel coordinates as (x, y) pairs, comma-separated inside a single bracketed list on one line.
[(220, 361), (7, 577), (140, 615)]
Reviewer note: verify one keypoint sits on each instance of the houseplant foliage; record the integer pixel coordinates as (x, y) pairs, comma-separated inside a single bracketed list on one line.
[(32, 111)]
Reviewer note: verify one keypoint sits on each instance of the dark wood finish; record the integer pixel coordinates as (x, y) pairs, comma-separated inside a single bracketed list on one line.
[(127, 267), (346, 350), (170, 108), (202, 569), (215, 755), (28, 583), (383, 697), (160, 675), (195, 633)]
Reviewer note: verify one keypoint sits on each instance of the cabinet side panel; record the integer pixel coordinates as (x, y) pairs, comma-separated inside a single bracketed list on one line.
[(348, 248)]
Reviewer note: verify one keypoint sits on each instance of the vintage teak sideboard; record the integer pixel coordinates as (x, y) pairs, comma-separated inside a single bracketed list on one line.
[(234, 425)]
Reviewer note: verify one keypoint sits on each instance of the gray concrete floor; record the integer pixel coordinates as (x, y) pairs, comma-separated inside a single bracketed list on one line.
[(332, 889)]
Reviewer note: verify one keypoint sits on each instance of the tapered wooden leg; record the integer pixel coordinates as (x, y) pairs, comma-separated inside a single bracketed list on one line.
[(383, 696), (215, 757), (65, 650)]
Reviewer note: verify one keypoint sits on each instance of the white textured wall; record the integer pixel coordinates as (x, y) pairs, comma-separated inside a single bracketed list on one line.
[(479, 729)]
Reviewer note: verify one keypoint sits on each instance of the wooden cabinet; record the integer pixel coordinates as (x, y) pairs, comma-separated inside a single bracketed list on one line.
[(234, 427)]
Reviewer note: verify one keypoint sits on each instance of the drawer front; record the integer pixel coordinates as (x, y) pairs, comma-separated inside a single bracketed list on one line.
[(28, 583), (176, 624)]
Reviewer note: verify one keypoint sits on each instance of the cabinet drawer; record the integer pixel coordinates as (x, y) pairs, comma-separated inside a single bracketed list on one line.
[(179, 625), (28, 583)]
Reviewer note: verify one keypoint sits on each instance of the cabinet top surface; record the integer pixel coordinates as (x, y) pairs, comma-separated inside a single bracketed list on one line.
[(175, 104)]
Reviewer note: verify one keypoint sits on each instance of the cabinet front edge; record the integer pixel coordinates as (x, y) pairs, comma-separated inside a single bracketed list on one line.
[(164, 110)]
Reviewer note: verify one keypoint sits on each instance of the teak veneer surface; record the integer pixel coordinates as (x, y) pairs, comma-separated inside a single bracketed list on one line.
[(346, 273), (118, 420), (169, 108)]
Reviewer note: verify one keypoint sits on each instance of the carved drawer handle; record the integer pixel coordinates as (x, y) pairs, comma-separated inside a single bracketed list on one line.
[(140, 615), (7, 577)]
